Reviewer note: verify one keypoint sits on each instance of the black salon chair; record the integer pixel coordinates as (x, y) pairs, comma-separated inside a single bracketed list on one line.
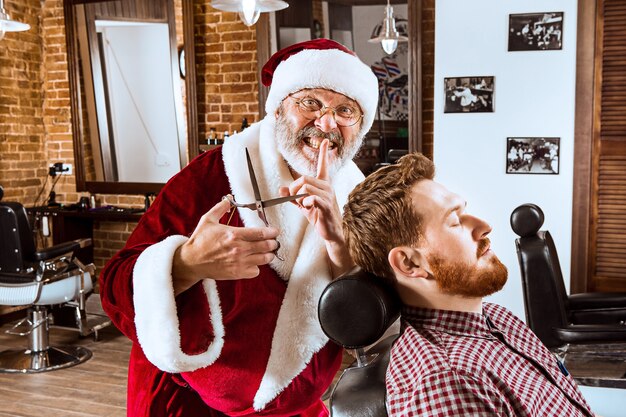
[(355, 311), (556, 318), (394, 154), (40, 280)]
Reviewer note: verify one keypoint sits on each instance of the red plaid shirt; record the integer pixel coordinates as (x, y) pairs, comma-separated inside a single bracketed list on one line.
[(451, 363)]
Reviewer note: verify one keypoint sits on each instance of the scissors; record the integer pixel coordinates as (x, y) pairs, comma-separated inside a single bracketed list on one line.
[(260, 204)]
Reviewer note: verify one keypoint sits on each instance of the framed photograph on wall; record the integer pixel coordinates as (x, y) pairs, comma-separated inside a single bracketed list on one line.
[(536, 155), (536, 31), (469, 94)]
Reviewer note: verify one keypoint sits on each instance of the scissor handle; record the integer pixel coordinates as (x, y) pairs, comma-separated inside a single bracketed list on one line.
[(231, 200)]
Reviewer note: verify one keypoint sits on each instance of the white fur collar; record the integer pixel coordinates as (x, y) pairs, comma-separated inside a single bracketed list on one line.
[(298, 334)]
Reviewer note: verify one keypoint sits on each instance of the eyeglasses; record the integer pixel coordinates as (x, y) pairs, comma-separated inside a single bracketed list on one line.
[(310, 108)]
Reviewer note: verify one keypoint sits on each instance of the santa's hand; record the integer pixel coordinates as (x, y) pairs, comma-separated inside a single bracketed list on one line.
[(222, 252), (320, 207)]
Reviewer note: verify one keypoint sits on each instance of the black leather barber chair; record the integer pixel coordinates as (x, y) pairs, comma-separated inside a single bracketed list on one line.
[(556, 318), (355, 311), (41, 280), (394, 154)]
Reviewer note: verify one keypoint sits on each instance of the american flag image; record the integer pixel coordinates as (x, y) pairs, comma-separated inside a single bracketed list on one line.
[(379, 70), (391, 66)]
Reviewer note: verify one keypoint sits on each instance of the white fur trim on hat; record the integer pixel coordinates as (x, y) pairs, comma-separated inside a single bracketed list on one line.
[(331, 69), (156, 319)]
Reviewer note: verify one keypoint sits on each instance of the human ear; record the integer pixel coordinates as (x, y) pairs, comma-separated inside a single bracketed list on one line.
[(278, 111), (408, 262)]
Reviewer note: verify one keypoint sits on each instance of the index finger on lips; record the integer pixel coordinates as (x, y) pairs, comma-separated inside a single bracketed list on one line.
[(322, 161)]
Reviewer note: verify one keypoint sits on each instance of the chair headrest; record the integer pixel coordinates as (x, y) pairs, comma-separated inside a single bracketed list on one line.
[(356, 309), (527, 219)]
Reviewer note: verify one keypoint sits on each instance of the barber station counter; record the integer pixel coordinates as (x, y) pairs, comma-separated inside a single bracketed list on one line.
[(66, 223)]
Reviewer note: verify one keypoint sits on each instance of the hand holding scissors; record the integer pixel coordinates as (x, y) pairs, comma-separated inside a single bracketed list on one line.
[(260, 204), (220, 251)]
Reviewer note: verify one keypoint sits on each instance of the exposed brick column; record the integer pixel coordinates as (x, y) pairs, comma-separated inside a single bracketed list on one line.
[(226, 66), (22, 153), (428, 75)]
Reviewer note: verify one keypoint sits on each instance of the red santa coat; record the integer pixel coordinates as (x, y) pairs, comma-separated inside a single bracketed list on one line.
[(240, 347)]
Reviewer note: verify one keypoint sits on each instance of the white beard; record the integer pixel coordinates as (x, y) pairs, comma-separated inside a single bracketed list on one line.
[(290, 146)]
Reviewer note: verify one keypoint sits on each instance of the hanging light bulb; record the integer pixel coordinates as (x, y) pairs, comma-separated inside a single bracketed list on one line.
[(249, 10), (8, 25), (389, 45), (388, 35)]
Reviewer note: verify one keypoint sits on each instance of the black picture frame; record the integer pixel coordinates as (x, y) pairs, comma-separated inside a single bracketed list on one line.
[(536, 31), (533, 155), (474, 94)]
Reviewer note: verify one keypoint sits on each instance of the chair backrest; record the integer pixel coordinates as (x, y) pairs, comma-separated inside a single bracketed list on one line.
[(356, 309), (17, 246), (545, 298)]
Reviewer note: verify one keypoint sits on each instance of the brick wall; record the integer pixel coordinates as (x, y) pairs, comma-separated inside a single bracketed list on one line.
[(428, 75), (22, 151), (226, 66)]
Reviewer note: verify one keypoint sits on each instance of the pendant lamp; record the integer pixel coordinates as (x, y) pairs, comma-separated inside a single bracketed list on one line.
[(8, 25), (249, 10), (388, 35)]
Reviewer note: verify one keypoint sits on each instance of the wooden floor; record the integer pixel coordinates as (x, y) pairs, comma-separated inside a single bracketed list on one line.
[(94, 388)]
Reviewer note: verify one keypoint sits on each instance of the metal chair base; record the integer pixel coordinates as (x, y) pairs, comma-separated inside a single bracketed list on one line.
[(26, 361)]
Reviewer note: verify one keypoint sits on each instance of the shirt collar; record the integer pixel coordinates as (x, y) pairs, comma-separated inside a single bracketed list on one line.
[(453, 322)]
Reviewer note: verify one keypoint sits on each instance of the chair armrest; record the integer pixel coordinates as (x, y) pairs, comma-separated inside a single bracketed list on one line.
[(592, 333), (61, 249), (356, 309), (595, 300)]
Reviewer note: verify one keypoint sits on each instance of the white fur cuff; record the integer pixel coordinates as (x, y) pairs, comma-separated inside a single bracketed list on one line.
[(156, 319)]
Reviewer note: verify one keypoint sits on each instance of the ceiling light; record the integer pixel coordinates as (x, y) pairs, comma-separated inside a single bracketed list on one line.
[(388, 35), (249, 10)]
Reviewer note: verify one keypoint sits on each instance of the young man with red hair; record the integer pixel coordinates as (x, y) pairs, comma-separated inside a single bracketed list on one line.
[(457, 355)]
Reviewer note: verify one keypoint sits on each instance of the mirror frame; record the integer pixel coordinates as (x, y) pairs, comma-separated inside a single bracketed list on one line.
[(264, 51), (104, 187)]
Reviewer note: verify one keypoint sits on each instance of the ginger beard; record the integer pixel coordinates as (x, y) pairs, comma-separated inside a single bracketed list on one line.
[(292, 146), (457, 278)]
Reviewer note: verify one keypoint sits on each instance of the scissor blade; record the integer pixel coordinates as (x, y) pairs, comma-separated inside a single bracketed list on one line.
[(255, 185), (281, 200)]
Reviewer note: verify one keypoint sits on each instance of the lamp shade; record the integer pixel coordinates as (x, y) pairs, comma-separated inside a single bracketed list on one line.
[(388, 35)]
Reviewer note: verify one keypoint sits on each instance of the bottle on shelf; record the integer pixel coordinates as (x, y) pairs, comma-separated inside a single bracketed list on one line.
[(212, 139)]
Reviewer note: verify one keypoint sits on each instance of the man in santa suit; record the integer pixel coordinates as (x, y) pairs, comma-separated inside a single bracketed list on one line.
[(219, 324)]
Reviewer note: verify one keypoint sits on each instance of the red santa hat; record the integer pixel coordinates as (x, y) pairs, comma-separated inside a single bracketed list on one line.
[(321, 63)]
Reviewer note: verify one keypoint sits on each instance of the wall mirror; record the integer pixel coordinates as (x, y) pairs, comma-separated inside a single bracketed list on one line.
[(133, 92), (399, 74)]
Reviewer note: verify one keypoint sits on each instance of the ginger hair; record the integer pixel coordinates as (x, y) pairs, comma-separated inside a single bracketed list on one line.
[(379, 214)]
